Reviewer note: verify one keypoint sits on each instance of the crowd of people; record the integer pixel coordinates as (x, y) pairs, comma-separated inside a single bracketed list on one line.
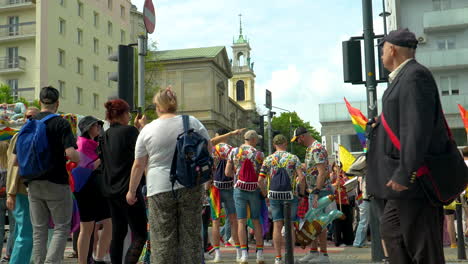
[(121, 181)]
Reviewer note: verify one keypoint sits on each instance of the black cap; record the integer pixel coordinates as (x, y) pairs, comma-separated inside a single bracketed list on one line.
[(299, 131), (49, 95), (401, 37), (87, 122)]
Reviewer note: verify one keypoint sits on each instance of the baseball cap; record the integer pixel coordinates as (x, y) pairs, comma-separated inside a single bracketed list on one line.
[(87, 122), (297, 132), (401, 37), (279, 140), (49, 95), (251, 134)]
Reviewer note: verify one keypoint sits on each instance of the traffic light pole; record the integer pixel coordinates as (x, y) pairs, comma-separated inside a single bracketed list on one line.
[(270, 133), (141, 73)]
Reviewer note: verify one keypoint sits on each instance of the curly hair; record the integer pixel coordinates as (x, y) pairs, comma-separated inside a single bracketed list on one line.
[(167, 99), (116, 108)]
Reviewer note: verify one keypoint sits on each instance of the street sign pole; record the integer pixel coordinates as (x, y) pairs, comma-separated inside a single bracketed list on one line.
[(269, 105)]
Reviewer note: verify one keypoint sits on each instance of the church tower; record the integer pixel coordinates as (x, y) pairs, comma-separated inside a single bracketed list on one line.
[(242, 83)]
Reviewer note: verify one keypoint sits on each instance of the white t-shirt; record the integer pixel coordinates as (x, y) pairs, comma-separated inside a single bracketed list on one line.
[(158, 140)]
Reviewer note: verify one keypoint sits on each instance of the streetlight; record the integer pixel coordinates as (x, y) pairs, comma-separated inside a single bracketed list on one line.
[(290, 125), (384, 15)]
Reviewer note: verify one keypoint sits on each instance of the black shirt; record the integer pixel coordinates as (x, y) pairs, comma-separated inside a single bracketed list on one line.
[(117, 152), (60, 137)]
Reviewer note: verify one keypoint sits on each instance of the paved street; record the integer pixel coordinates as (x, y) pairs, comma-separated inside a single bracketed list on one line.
[(341, 255)]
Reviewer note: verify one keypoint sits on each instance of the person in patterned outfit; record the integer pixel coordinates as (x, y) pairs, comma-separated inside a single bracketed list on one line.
[(282, 159), (243, 198), (225, 189), (318, 183)]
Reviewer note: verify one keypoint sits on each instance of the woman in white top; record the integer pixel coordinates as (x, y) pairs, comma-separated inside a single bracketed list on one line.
[(175, 224)]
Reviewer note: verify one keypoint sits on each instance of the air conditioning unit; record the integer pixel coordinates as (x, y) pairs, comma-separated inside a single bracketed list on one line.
[(421, 40)]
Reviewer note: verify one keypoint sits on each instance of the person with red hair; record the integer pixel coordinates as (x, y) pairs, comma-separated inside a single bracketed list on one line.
[(117, 148)]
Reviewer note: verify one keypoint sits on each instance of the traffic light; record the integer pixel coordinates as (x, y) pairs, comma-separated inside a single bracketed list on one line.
[(383, 73), (125, 75), (352, 64), (260, 129)]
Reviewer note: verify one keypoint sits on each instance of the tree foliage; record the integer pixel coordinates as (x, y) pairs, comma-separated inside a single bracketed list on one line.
[(286, 123)]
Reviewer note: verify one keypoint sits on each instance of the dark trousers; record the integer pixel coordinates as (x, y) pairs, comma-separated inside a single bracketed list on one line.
[(412, 231), (206, 214), (124, 215), (344, 228)]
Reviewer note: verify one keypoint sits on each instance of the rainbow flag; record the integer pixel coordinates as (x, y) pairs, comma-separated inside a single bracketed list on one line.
[(464, 116), (215, 202), (359, 122), (7, 133)]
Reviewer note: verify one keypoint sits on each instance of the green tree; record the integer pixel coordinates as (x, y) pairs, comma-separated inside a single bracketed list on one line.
[(286, 123), (5, 94)]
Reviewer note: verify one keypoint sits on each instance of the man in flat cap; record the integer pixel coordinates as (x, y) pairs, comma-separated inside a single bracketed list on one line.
[(410, 226)]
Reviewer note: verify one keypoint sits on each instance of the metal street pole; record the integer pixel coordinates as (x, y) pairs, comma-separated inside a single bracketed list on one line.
[(141, 72), (288, 233), (461, 252), (269, 132), (384, 12), (369, 51), (371, 86)]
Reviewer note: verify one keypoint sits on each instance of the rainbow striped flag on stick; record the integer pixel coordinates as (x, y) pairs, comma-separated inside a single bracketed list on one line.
[(464, 116), (215, 202), (7, 133), (359, 122)]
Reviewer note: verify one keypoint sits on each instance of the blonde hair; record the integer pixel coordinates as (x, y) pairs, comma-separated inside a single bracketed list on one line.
[(3, 154), (166, 99)]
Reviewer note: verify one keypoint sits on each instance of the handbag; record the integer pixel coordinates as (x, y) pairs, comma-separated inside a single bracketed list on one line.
[(443, 177)]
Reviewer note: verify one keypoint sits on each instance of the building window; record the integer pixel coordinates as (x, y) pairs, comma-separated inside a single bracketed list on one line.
[(96, 45), (80, 9), (95, 101), (62, 25), (109, 28), (79, 66), (446, 43), (79, 36), (62, 2), (110, 50), (109, 4), (79, 95), (122, 11), (449, 85), (13, 25), (95, 73), (61, 57), (13, 84), (96, 19), (61, 85), (122, 36), (108, 79), (240, 90), (440, 5), (221, 101)]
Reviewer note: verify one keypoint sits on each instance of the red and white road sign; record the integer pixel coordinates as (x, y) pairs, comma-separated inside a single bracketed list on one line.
[(149, 16)]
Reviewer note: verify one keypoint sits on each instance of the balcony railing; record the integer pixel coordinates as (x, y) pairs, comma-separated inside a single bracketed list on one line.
[(4, 3), (21, 30), (10, 5), (454, 59), (451, 19), (12, 64)]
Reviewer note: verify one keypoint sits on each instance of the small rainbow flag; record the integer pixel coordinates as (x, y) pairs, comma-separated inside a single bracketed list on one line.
[(359, 122), (215, 202), (464, 116), (7, 133)]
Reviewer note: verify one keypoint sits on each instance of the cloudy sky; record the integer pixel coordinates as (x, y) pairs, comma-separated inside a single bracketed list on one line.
[(296, 44)]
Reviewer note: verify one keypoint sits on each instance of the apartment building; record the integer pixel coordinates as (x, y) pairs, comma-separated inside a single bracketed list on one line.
[(66, 44)]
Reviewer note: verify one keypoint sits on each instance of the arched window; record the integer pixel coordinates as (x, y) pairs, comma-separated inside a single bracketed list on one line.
[(240, 90), (241, 59)]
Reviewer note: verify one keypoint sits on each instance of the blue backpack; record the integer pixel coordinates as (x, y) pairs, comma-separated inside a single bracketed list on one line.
[(32, 149), (192, 163), (280, 187)]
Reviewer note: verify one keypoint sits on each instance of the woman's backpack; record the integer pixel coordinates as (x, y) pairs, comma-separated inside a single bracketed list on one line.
[(280, 187), (221, 181)]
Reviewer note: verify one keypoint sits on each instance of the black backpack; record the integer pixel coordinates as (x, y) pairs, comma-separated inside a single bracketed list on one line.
[(220, 180), (192, 163), (280, 187)]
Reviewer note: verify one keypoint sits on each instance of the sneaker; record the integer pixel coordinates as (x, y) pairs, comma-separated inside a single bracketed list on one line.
[(320, 259), (278, 261), (238, 259), (227, 244), (267, 243), (260, 259), (99, 262), (231, 241), (453, 245), (244, 260), (217, 257), (208, 256), (310, 256), (5, 259)]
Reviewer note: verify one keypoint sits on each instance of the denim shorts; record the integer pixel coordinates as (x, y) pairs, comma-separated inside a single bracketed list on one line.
[(242, 198), (277, 209), (227, 201)]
